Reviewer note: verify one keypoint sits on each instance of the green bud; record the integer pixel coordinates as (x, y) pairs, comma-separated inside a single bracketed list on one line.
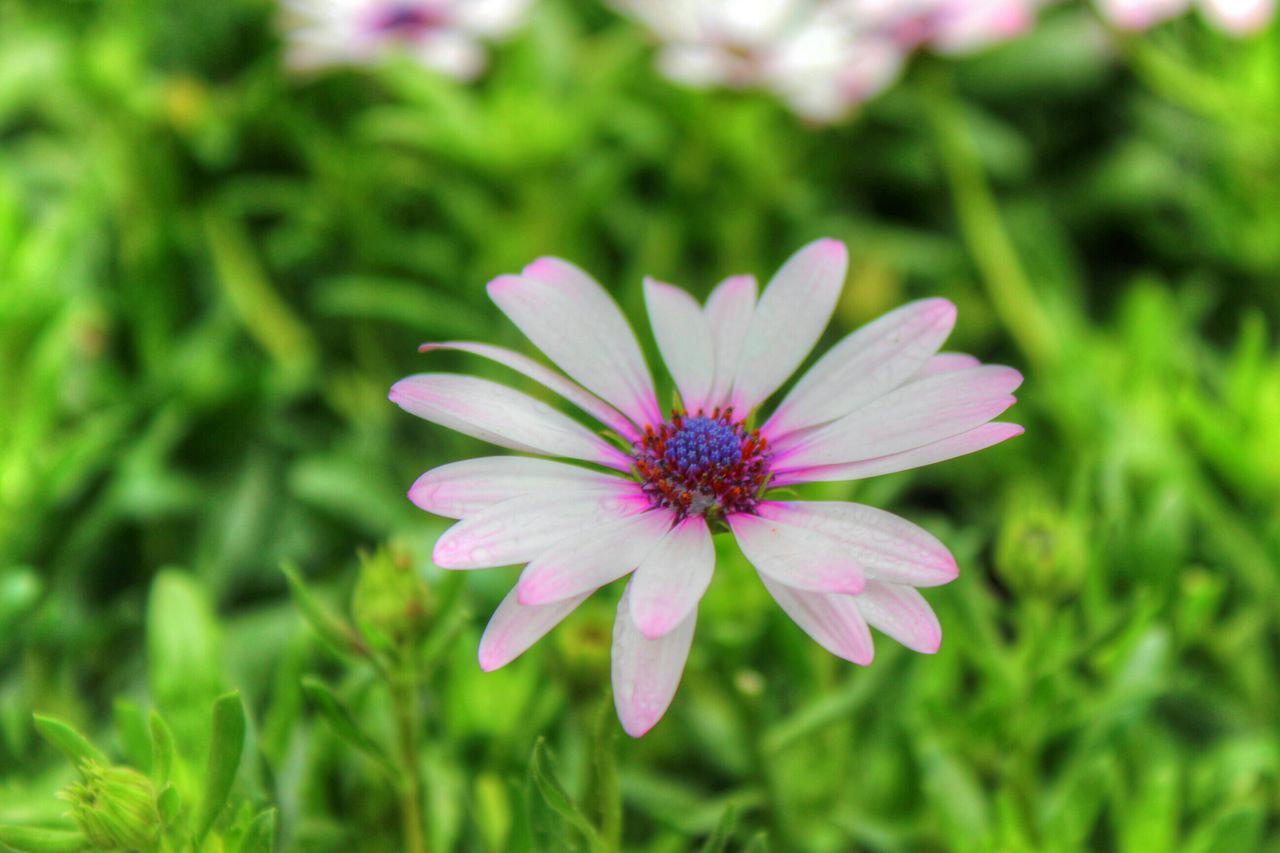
[(392, 605), (115, 807), (1042, 548)]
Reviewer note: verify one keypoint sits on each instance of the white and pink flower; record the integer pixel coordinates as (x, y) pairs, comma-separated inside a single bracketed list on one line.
[(1233, 17), (804, 51), (822, 57), (644, 498), (445, 35)]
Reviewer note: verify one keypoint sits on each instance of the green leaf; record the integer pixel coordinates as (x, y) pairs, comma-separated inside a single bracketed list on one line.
[(225, 748), (71, 743), (268, 318), (335, 632), (30, 840), (607, 791), (20, 589), (344, 722), (183, 649), (169, 804), (542, 771), (719, 840), (411, 304), (260, 837), (131, 732), (162, 749)]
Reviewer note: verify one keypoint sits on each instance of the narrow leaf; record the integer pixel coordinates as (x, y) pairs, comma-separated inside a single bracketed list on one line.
[(169, 803), (334, 631), (225, 748), (30, 840), (343, 722), (260, 837), (162, 749), (69, 742), (131, 732), (719, 840), (542, 771), (607, 790), (184, 653)]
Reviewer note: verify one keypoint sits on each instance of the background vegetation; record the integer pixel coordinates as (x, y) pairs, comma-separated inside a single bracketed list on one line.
[(210, 274)]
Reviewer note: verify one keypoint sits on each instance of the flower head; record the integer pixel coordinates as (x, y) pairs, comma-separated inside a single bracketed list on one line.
[(444, 35), (647, 502), (822, 57), (1233, 17), (115, 807)]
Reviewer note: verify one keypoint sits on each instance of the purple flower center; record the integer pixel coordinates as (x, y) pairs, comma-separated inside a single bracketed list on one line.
[(408, 20), (702, 464)]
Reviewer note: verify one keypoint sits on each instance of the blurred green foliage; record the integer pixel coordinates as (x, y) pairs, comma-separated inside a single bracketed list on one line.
[(210, 274)]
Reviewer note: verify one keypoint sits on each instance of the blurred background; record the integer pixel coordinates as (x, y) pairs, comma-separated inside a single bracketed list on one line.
[(213, 268)]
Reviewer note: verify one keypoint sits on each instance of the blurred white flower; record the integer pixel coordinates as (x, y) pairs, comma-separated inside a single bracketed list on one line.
[(948, 26), (822, 57), (802, 50), (1141, 14), (1239, 17), (445, 35), (1234, 17)]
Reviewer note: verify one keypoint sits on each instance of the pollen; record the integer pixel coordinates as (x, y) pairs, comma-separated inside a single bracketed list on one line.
[(702, 464)]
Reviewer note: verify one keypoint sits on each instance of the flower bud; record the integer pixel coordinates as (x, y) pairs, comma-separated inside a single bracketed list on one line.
[(115, 807), (392, 605), (1041, 549)]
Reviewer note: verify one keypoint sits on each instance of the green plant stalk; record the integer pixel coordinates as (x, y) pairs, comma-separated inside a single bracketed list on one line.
[(412, 817), (983, 229), (764, 769)]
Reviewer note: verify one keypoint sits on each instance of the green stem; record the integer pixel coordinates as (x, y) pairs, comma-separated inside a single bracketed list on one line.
[(763, 765), (984, 232), (412, 816)]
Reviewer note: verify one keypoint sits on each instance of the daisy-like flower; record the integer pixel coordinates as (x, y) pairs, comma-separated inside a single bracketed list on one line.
[(445, 35), (822, 57), (1234, 17), (804, 51), (947, 26), (647, 503)]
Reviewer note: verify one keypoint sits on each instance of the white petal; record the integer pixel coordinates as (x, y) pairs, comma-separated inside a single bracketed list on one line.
[(903, 614), (1140, 14), (684, 339), (1239, 17), (883, 545), (699, 65), (946, 362), (979, 438), (794, 556), (729, 310), (572, 319), (519, 529), (502, 416), (491, 17), (589, 403), (646, 672), (449, 52), (514, 627), (914, 415), (834, 621), (792, 313), (599, 556), (464, 488), (867, 364), (670, 582)]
